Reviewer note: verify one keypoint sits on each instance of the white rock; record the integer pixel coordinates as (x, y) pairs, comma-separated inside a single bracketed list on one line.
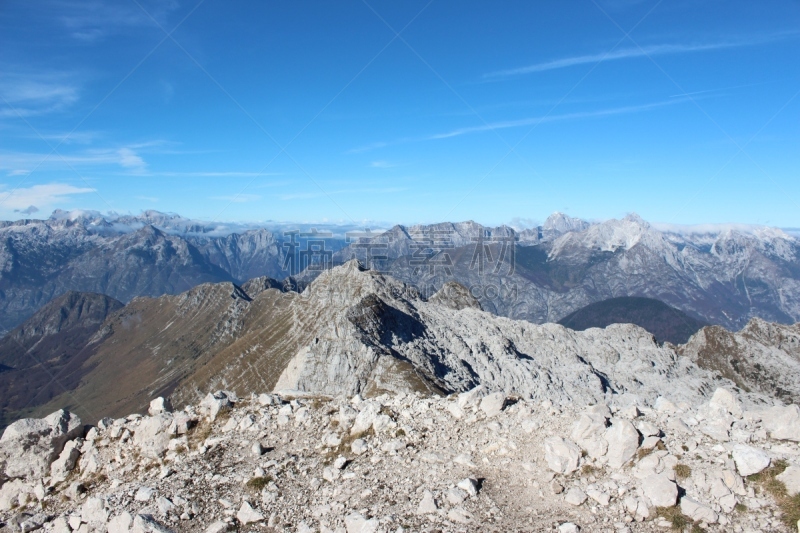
[(455, 496), (248, 515), (663, 405), (365, 418), (152, 435), (144, 494), (428, 504), (599, 496), (472, 397), (358, 446), (749, 460), (623, 441), (121, 523), (66, 462), (214, 403), (393, 446), (783, 423), (697, 511), (568, 527), (575, 496), (492, 404), (660, 490), (94, 511), (29, 446), (724, 399), (159, 405), (340, 462), (256, 450), (60, 525), (562, 456), (219, 526), (791, 478), (470, 486), (647, 429), (356, 523), (588, 434)]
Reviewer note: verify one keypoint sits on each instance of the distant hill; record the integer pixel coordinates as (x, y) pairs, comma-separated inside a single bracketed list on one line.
[(43, 356), (664, 322)]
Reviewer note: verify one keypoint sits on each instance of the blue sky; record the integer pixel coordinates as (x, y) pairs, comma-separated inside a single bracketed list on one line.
[(402, 112)]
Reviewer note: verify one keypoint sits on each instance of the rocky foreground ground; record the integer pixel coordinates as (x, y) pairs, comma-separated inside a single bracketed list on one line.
[(468, 462)]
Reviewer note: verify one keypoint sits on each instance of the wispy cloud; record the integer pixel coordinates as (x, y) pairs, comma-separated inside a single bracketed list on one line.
[(29, 94), (93, 20), (381, 164), (151, 199), (39, 196), (629, 53), (555, 118)]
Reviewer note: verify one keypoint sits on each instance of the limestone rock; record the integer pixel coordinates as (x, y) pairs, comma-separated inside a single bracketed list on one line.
[(29, 446), (562, 456), (492, 404), (749, 460), (660, 490), (214, 403), (697, 511), (248, 515), (724, 399), (783, 423), (428, 503), (152, 435), (159, 405), (791, 478), (575, 496), (356, 523), (623, 441)]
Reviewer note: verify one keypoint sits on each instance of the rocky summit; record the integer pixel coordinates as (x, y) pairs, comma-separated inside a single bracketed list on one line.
[(475, 461)]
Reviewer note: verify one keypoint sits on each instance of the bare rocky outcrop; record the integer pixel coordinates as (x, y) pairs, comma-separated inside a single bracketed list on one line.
[(405, 462), (762, 357), (29, 446)]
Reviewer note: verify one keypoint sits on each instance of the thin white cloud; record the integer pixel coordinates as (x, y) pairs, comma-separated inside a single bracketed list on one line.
[(381, 164), (35, 93), (151, 199), (628, 53), (39, 196), (554, 118), (130, 159)]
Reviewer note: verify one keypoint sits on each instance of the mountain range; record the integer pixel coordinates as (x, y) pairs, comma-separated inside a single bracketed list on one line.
[(721, 275), (353, 331)]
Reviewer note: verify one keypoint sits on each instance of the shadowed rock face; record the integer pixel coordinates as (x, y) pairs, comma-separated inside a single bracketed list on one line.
[(664, 322), (762, 357)]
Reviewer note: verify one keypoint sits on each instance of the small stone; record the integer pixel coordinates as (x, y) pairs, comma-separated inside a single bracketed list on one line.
[(248, 515), (470, 486), (340, 462), (492, 404), (144, 494), (219, 526), (562, 456), (556, 487), (159, 405), (256, 450), (697, 511), (428, 504), (575, 496), (455, 496), (356, 523), (623, 441), (358, 446), (121, 523), (568, 527)]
